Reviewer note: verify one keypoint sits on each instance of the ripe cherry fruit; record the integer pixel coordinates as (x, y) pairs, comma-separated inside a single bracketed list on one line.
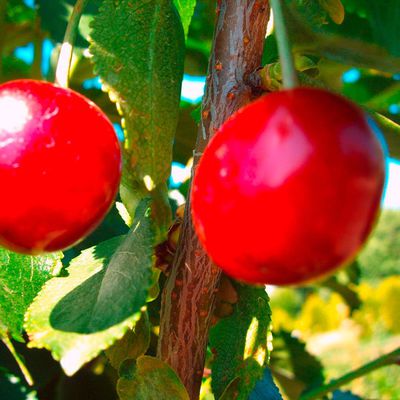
[(60, 166), (289, 188)]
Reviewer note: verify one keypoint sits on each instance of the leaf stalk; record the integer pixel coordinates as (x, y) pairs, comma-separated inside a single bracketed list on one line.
[(25, 372)]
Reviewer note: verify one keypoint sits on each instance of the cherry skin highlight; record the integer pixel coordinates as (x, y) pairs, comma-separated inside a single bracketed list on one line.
[(60, 166), (289, 188)]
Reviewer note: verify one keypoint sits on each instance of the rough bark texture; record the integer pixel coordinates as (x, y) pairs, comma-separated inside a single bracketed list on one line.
[(189, 294)]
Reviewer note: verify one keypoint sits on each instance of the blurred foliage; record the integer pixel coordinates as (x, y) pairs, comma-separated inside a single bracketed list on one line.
[(321, 315), (344, 282), (54, 16), (353, 47), (381, 307), (293, 366), (12, 388), (321, 311), (287, 299), (324, 321), (389, 294), (381, 256)]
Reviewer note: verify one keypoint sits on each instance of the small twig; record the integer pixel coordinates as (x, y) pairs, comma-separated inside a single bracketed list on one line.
[(65, 57), (189, 295), (383, 361)]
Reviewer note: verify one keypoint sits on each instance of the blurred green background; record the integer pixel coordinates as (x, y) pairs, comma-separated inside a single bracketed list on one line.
[(346, 320)]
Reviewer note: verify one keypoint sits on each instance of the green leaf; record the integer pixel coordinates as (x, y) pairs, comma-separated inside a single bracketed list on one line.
[(349, 295), (351, 52), (77, 316), (186, 10), (240, 342), (385, 98), (154, 290), (265, 388), (18, 12), (54, 16), (391, 131), (356, 6), (334, 8), (138, 51), (150, 378), (12, 388), (338, 48), (134, 343), (231, 391), (271, 74), (312, 12), (384, 19), (380, 257), (21, 278), (290, 354), (13, 68), (343, 283)]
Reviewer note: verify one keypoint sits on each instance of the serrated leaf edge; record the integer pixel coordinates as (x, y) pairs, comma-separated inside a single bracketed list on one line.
[(128, 323)]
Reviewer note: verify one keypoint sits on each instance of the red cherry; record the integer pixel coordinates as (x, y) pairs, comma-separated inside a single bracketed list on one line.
[(289, 188), (60, 166)]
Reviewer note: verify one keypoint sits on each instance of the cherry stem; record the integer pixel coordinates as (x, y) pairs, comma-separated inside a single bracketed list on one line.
[(28, 377), (289, 73), (65, 57), (383, 361)]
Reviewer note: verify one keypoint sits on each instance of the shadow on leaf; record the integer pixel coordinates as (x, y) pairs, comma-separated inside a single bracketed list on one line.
[(115, 276)]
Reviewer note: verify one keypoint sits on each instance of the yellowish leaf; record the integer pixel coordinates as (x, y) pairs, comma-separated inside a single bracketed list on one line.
[(335, 10)]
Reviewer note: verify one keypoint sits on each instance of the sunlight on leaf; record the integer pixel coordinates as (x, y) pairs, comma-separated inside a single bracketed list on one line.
[(21, 278), (240, 342), (78, 316), (251, 338), (150, 378), (186, 10)]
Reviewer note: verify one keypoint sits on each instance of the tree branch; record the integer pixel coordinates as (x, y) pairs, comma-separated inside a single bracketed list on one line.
[(189, 294)]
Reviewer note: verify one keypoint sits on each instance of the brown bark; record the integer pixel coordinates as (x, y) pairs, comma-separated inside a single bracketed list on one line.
[(189, 294)]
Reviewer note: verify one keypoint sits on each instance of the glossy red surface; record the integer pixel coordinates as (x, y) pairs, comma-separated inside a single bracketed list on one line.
[(60, 166), (289, 188)]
